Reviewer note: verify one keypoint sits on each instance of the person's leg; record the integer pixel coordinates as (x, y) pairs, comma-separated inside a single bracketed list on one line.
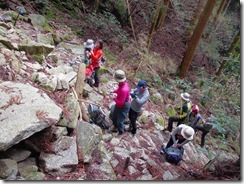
[(204, 133), (133, 116), (179, 121), (96, 79), (122, 116), (170, 122)]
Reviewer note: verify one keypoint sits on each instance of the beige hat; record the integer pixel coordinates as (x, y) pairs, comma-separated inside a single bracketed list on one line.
[(185, 96), (187, 132), (119, 76)]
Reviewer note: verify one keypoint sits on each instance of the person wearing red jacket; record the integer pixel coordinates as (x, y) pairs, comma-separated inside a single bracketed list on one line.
[(96, 55)]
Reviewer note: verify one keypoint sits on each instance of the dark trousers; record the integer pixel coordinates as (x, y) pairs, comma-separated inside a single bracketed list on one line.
[(204, 133), (133, 117), (96, 78), (173, 119), (119, 116)]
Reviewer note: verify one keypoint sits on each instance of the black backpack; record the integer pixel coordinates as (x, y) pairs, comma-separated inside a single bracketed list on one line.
[(174, 155), (97, 116)]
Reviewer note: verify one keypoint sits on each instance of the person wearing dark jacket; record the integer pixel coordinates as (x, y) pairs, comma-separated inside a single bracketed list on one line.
[(184, 109)]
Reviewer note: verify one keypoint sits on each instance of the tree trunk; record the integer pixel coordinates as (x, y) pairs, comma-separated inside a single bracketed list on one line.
[(194, 20), (186, 62), (221, 7), (162, 14), (229, 53), (130, 18), (97, 2), (153, 25), (158, 19)]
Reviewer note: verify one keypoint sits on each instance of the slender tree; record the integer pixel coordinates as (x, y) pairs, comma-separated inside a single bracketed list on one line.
[(234, 44), (130, 18), (194, 19), (158, 19), (220, 9), (186, 62)]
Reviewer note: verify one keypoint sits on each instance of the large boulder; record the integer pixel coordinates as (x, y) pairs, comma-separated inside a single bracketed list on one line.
[(24, 110)]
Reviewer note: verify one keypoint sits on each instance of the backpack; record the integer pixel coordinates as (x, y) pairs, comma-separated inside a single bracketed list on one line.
[(174, 155), (97, 116)]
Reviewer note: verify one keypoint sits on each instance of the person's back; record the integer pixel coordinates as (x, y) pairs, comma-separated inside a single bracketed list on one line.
[(195, 116)]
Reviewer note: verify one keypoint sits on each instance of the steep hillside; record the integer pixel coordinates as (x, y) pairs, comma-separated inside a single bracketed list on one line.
[(115, 157)]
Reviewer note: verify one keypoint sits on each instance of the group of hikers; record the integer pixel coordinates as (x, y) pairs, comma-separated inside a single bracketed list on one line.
[(129, 103), (188, 124)]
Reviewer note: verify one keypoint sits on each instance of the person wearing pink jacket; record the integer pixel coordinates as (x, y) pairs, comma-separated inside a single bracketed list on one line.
[(122, 101)]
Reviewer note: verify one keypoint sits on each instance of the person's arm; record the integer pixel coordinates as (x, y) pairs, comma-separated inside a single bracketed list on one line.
[(183, 143), (143, 99), (175, 131), (120, 99), (95, 56)]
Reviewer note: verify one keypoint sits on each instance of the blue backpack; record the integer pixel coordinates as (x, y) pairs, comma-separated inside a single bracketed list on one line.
[(174, 155)]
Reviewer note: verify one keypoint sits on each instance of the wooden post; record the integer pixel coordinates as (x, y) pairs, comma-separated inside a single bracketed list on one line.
[(80, 82)]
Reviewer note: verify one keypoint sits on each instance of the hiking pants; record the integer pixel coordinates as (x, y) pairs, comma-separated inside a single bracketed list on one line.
[(133, 117), (96, 78), (119, 115), (204, 133), (173, 119)]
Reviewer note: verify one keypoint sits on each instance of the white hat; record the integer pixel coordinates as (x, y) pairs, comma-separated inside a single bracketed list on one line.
[(89, 43), (185, 96), (187, 132), (119, 76)]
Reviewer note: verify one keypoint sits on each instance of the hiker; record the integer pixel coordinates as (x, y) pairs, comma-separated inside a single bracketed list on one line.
[(139, 96), (184, 110), (179, 137), (205, 127), (122, 102), (195, 116), (88, 46), (95, 55)]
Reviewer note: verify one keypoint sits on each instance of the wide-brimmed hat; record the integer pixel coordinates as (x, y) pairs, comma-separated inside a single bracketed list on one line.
[(187, 132), (89, 44), (141, 84), (119, 76), (185, 96)]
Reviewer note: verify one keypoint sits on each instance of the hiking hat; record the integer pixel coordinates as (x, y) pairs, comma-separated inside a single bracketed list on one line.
[(185, 96), (89, 44), (141, 84), (187, 132), (119, 76)]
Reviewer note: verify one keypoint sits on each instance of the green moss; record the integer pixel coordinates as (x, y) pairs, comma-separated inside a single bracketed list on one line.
[(67, 37), (38, 58), (171, 111), (160, 121)]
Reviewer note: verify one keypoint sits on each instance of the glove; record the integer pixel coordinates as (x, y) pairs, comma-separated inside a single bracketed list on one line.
[(132, 95)]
